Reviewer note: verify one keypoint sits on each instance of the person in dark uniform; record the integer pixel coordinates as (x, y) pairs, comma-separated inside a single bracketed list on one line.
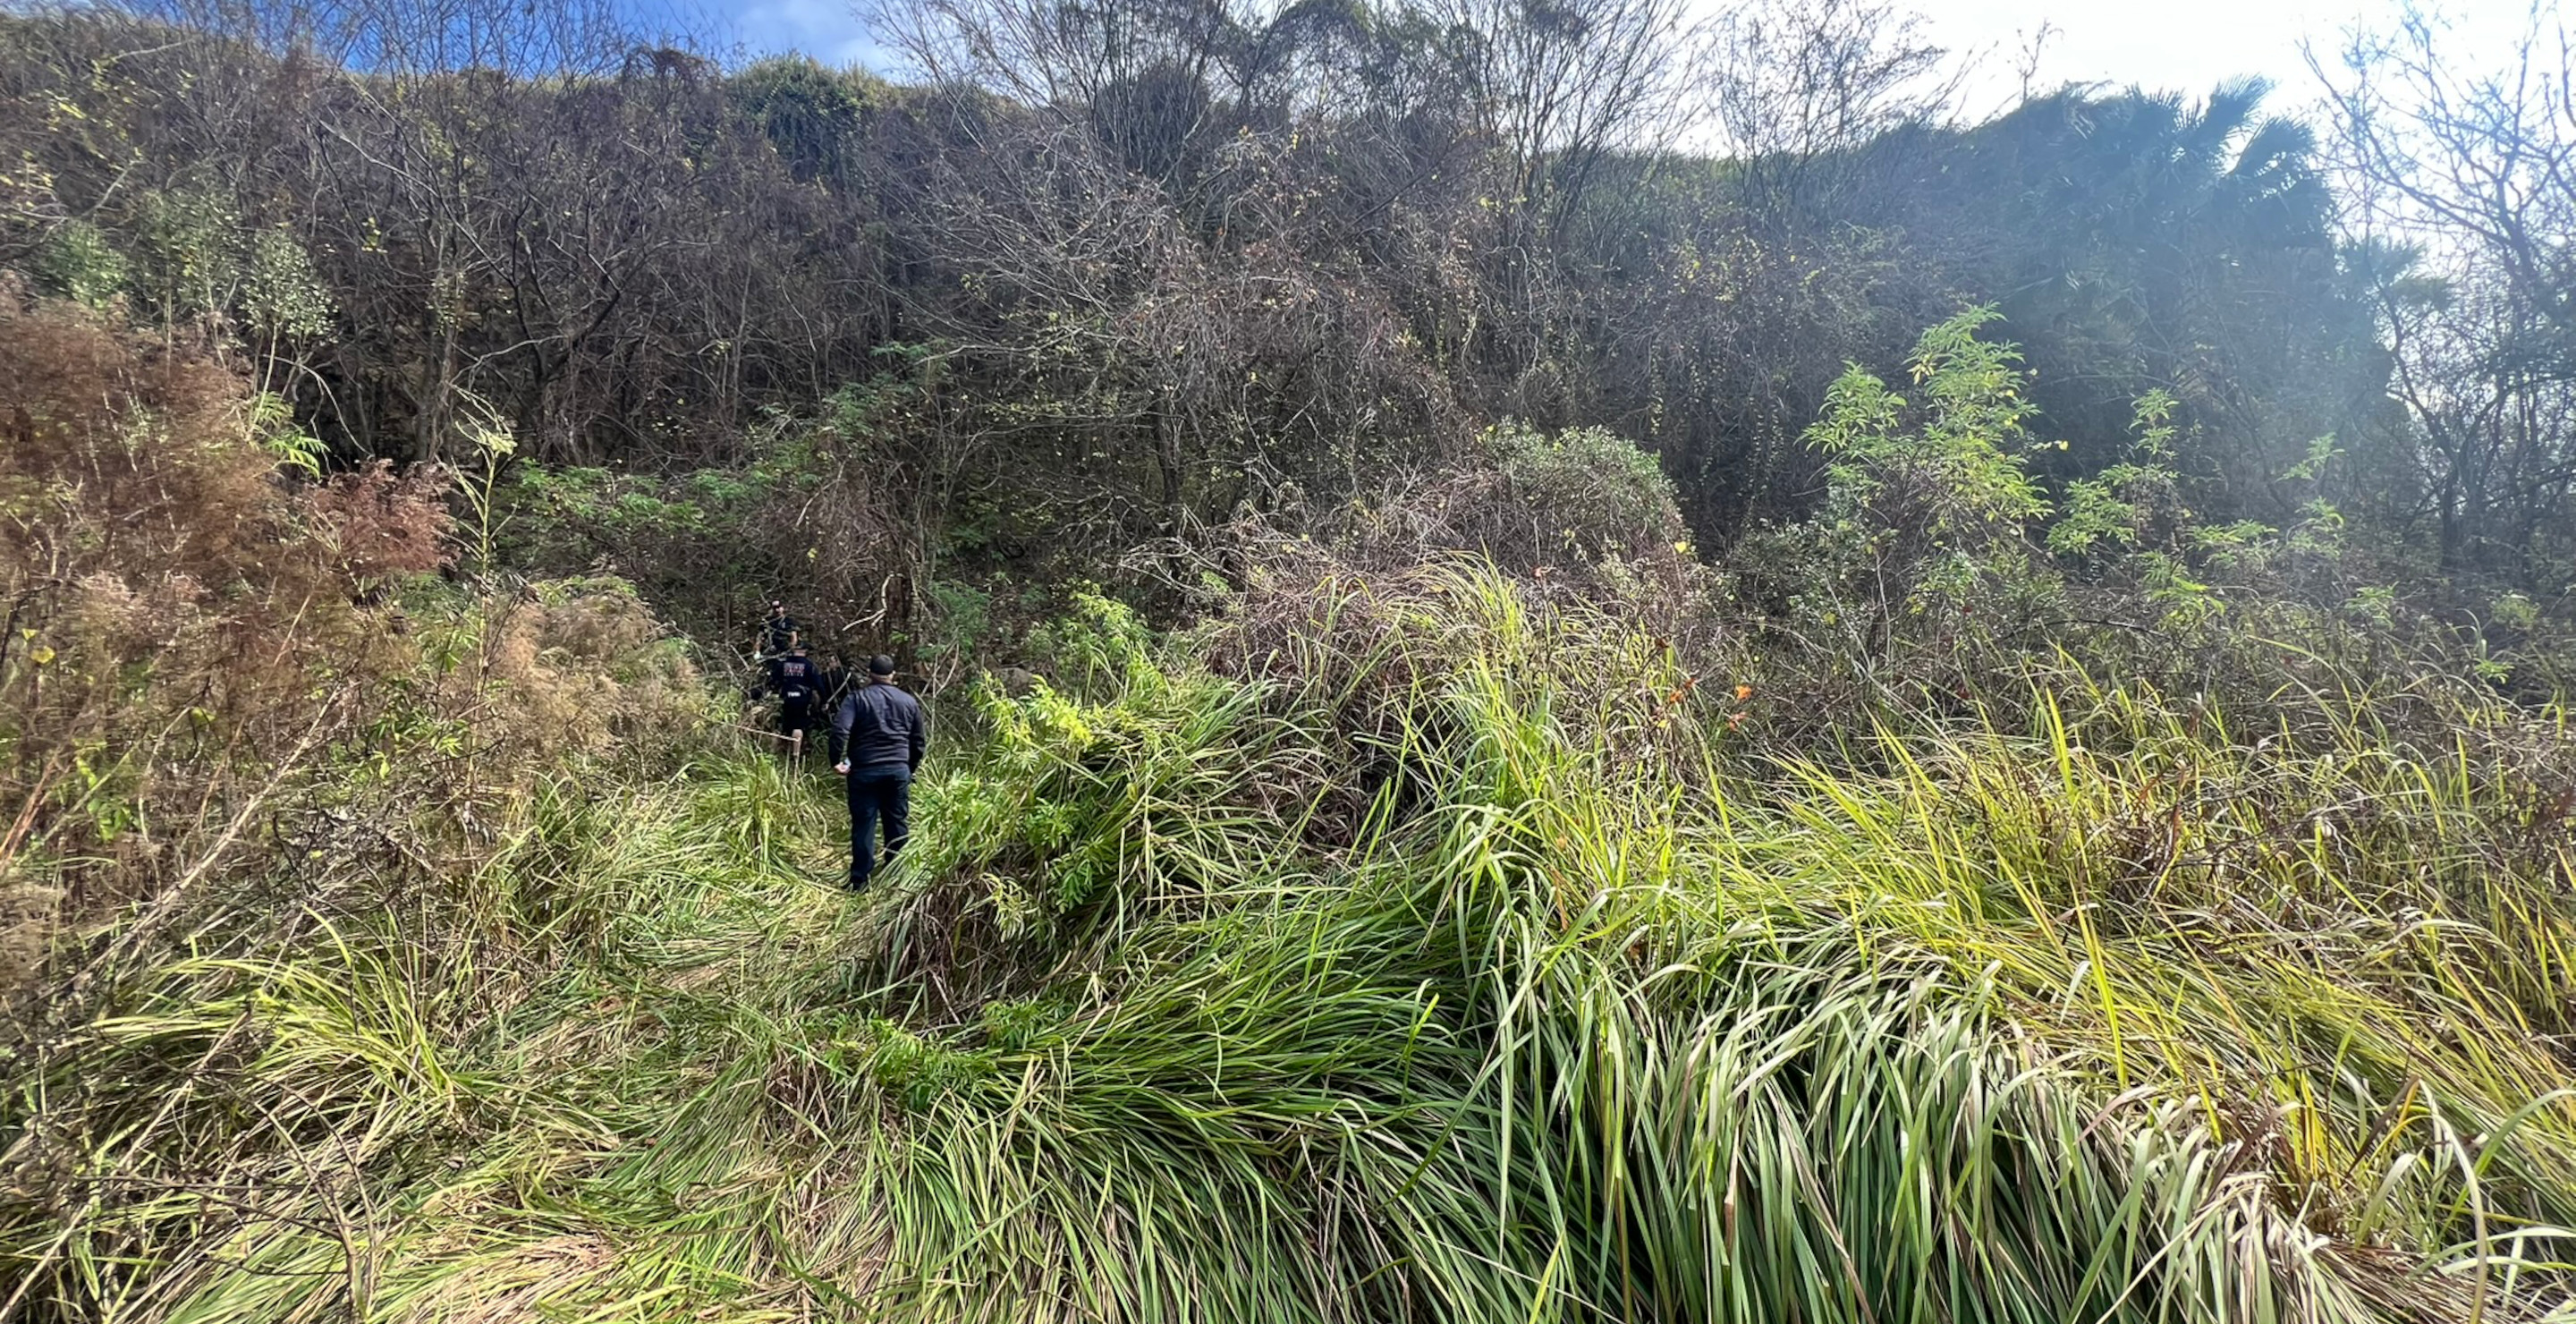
[(798, 683), (778, 631), (879, 734)]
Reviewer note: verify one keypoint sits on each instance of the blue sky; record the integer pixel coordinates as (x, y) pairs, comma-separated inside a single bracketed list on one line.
[(828, 30), (2184, 45)]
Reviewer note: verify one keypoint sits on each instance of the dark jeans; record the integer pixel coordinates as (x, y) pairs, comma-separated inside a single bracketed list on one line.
[(877, 793), (795, 717)]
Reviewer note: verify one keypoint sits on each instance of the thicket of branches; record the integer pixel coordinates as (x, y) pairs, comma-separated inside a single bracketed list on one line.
[(1103, 273)]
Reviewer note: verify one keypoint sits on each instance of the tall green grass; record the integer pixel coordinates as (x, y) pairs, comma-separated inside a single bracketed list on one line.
[(1450, 956)]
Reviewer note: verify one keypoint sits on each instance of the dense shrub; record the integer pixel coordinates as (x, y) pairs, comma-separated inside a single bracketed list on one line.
[(180, 631), (809, 513), (201, 648), (1941, 575)]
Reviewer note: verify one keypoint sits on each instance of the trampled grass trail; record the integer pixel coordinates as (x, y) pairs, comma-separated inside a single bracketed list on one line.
[(1476, 978), (563, 1099)]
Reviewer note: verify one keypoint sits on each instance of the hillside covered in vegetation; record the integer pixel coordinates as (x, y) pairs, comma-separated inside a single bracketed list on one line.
[(922, 352), (1901, 717)]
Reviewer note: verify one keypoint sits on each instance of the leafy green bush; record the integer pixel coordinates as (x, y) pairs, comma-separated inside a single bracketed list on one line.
[(78, 263), (1938, 572)]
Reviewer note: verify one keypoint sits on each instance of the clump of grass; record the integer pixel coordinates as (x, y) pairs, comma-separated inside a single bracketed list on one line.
[(2121, 1017)]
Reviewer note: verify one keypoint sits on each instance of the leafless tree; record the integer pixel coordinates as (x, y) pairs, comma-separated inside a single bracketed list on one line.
[(1562, 84), (1796, 88), (2459, 186)]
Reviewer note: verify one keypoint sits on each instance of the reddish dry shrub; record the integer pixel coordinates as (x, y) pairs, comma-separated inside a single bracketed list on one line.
[(168, 617), (195, 668), (375, 525), (579, 666)]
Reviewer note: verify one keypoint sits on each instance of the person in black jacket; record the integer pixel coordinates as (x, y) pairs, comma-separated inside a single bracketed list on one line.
[(878, 737), (777, 632), (798, 683)]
